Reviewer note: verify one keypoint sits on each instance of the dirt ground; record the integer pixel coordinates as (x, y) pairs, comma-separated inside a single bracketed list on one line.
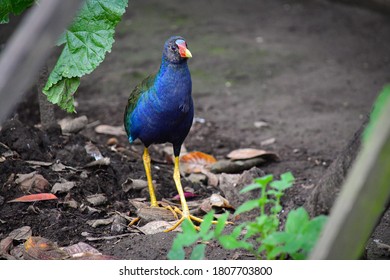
[(309, 69)]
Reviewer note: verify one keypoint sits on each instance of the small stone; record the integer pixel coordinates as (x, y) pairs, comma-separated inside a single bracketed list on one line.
[(260, 124)]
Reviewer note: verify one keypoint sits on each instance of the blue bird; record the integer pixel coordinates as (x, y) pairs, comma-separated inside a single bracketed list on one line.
[(160, 110)]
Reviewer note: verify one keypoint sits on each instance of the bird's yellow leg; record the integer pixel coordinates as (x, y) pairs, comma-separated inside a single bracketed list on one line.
[(185, 212), (146, 159)]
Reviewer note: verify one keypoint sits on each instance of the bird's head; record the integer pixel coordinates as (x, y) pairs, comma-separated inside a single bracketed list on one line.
[(175, 50)]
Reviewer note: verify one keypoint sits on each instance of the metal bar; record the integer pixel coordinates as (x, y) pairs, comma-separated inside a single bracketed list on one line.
[(29, 47)]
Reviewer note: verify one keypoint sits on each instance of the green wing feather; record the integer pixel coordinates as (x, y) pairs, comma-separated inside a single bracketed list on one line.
[(134, 96)]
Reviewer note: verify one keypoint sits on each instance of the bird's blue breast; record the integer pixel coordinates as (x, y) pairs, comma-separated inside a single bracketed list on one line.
[(165, 111)]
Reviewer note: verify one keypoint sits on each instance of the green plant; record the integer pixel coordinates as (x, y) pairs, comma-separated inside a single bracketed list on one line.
[(13, 7), (262, 237), (86, 42)]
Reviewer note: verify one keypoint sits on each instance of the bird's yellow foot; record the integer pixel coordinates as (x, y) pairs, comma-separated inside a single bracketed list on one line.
[(182, 218)]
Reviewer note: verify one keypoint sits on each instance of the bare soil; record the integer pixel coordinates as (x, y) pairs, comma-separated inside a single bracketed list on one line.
[(309, 69)]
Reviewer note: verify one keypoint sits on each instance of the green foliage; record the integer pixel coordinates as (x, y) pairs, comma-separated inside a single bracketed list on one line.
[(381, 101), (262, 237), (86, 43), (15, 7)]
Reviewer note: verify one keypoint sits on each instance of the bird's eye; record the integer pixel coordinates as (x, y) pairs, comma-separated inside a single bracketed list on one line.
[(173, 48)]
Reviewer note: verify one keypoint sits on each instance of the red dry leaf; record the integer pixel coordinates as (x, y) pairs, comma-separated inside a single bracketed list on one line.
[(186, 195), (195, 162), (34, 197)]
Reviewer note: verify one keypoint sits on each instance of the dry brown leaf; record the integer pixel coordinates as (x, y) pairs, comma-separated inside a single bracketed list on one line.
[(100, 222), (93, 151), (134, 184), (80, 249), (22, 233), (110, 130), (96, 199), (148, 214), (215, 201), (101, 162), (248, 153), (39, 248), (63, 187), (112, 141), (31, 182), (6, 245), (195, 162), (73, 125), (158, 226)]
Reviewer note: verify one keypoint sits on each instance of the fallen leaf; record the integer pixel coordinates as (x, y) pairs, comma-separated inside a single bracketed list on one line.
[(38, 163), (57, 167), (39, 248), (63, 187), (267, 142), (186, 195), (119, 224), (157, 226), (195, 162), (22, 233), (237, 166), (232, 184), (73, 125), (103, 161), (5, 247), (148, 214), (110, 130), (112, 141), (96, 199), (31, 182), (93, 151), (212, 179), (197, 178), (100, 222), (77, 250), (34, 197), (248, 153), (134, 184), (215, 201)]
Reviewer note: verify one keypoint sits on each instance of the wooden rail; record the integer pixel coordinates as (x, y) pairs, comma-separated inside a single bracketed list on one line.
[(29, 47)]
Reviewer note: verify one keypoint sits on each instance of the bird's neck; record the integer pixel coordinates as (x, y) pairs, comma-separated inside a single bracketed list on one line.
[(173, 78)]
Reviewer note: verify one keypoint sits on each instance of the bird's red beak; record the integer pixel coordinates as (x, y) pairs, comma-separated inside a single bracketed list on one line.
[(183, 51)]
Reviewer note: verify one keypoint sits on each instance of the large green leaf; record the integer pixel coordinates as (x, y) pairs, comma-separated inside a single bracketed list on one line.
[(247, 206), (296, 220), (15, 7), (87, 41)]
